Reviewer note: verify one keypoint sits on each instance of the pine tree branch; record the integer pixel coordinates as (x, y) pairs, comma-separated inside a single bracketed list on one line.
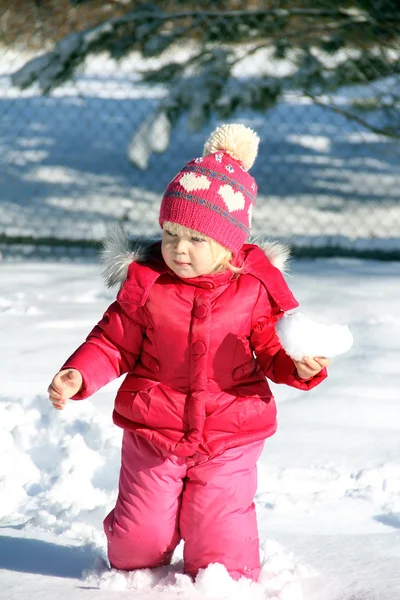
[(55, 67), (386, 131), (290, 35), (277, 12)]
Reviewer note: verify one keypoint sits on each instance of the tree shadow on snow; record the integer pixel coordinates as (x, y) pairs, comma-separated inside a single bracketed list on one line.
[(392, 520), (44, 558), (64, 169)]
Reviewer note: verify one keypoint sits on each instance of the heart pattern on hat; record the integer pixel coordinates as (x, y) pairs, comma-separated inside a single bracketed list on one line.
[(233, 200), (191, 181)]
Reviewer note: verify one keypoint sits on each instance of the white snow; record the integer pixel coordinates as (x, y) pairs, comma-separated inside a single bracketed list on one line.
[(152, 136), (302, 336), (328, 499)]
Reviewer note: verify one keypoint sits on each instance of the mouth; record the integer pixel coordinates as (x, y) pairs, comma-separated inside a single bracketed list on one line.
[(181, 264)]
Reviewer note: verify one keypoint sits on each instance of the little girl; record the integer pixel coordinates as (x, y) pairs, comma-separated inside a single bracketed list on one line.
[(193, 326)]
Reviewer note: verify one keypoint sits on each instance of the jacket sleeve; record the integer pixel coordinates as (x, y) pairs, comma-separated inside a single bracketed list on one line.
[(272, 358), (111, 349)]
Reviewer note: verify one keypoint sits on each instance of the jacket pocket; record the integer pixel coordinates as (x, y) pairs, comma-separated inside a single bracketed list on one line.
[(244, 361), (244, 370), (257, 413), (154, 406), (149, 361), (127, 396)]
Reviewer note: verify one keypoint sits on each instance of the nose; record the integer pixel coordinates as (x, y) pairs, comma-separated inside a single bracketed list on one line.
[(180, 246)]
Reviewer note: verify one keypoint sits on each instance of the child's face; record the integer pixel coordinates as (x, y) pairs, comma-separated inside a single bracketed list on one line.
[(187, 255)]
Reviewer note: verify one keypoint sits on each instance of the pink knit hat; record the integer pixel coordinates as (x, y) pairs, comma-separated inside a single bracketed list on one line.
[(215, 194)]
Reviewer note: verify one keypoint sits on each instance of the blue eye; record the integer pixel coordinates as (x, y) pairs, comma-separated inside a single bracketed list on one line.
[(196, 239), (169, 233)]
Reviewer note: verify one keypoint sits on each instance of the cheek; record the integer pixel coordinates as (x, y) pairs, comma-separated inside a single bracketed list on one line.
[(164, 250), (205, 256)]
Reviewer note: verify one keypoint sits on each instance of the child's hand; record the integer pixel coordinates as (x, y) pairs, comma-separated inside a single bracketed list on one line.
[(64, 385), (308, 367)]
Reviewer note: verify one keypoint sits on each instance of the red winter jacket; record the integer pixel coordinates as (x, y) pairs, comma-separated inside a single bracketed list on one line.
[(197, 353)]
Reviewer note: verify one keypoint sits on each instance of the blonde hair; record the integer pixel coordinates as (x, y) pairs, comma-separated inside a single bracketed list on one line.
[(221, 255)]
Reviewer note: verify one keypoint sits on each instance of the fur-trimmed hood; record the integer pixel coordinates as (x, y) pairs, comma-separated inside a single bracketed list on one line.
[(119, 252)]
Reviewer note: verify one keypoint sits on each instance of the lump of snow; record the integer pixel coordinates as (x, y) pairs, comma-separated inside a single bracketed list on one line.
[(152, 136), (215, 582), (301, 336)]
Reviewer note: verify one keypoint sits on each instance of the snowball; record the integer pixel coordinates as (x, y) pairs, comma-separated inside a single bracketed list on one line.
[(301, 336)]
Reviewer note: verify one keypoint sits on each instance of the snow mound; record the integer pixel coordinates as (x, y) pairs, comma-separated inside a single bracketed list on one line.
[(58, 472), (301, 336), (381, 486), (282, 578), (280, 489)]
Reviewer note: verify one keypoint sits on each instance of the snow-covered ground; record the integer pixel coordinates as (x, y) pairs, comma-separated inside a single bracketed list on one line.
[(328, 497), (65, 173)]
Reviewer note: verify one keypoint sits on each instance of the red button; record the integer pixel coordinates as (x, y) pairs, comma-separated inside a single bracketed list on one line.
[(198, 348), (200, 311)]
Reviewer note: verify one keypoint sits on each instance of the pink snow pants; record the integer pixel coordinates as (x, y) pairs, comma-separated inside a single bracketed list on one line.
[(207, 502)]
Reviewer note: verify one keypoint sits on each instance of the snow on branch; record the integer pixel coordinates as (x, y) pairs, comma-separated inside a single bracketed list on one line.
[(55, 67), (205, 84)]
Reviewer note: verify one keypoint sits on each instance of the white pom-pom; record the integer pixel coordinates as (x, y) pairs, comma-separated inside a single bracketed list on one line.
[(239, 141), (301, 336)]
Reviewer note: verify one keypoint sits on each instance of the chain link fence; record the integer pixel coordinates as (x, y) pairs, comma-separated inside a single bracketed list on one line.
[(95, 152)]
